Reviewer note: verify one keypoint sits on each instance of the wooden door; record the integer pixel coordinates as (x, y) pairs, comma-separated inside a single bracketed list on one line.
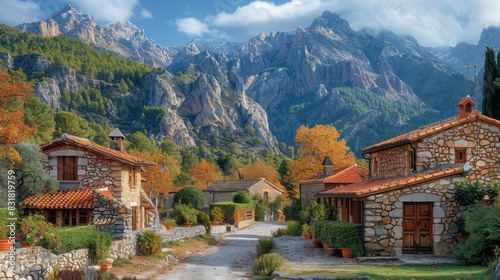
[(417, 227)]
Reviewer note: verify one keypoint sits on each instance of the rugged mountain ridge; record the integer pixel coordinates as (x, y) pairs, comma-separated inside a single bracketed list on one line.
[(369, 85)]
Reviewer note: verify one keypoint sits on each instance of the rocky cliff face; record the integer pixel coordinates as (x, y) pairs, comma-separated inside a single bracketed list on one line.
[(122, 38), (279, 81)]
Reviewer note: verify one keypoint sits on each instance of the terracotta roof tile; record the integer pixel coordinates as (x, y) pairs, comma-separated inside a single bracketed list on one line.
[(345, 175), (429, 130), (70, 199), (381, 185), (89, 145), (104, 191)]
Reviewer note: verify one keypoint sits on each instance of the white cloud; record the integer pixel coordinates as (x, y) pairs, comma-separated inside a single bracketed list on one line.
[(145, 13), (109, 10), (192, 27), (431, 22), (14, 12)]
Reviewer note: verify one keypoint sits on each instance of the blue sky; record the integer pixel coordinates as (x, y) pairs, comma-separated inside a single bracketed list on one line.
[(171, 23)]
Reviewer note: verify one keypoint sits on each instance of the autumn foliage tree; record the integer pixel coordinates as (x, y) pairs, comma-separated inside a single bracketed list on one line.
[(204, 173), (13, 92), (314, 144), (261, 169)]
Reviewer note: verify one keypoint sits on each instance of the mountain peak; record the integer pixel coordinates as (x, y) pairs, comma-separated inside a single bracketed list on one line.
[(333, 21)]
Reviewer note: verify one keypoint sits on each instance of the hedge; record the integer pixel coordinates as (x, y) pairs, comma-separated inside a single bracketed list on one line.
[(229, 207)]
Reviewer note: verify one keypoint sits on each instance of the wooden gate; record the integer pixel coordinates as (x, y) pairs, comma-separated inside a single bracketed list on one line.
[(417, 227)]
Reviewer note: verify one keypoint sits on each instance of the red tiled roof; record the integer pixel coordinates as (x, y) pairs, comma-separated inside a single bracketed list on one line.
[(345, 175), (70, 199), (104, 191), (91, 146), (375, 186), (429, 130)]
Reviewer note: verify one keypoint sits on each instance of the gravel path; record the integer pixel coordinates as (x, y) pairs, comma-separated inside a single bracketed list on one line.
[(232, 259)]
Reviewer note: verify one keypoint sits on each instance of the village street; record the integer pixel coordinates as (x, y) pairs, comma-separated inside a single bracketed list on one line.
[(232, 258)]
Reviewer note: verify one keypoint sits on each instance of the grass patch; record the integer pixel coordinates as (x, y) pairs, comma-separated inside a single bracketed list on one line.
[(121, 261), (401, 272)]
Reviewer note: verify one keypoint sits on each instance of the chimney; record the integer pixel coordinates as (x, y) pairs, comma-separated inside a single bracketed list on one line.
[(465, 107), (116, 138), (327, 166)]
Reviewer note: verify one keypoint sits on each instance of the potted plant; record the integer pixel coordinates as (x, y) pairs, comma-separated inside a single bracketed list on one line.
[(5, 243), (306, 231), (32, 229), (347, 235), (169, 223), (185, 214), (217, 215), (99, 249)]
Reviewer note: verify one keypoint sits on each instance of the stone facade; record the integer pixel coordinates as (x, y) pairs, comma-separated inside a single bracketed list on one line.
[(38, 262), (391, 162), (111, 215), (97, 170), (384, 217), (124, 247), (308, 191)]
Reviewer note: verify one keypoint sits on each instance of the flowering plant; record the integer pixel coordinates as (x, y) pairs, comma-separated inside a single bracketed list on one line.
[(33, 228)]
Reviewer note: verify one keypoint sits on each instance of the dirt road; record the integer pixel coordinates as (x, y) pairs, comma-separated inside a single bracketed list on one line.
[(231, 259)]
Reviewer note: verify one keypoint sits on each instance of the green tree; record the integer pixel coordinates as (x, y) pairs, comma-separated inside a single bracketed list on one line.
[(190, 196), (285, 172), (30, 178), (38, 114), (68, 122), (142, 143), (490, 73)]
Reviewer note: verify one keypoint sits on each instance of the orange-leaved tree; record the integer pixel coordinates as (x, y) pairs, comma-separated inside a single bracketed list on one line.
[(314, 144), (204, 173), (158, 178), (261, 169), (13, 92)]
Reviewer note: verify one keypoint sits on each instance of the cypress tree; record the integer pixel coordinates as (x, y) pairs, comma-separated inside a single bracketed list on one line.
[(488, 80)]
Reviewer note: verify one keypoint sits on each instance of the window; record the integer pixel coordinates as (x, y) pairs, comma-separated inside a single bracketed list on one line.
[(131, 176), (266, 197), (52, 216), (409, 160), (375, 168), (75, 217), (460, 155), (467, 107), (67, 168)]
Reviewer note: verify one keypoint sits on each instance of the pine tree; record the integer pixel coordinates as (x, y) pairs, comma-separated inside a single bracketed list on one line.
[(488, 80)]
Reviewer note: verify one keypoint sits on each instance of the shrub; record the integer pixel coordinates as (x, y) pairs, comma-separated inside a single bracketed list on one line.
[(329, 233), (293, 228), (190, 196), (241, 197), (318, 229), (304, 217), (265, 245), (121, 261), (472, 192), (203, 219), (260, 207), (279, 232), (217, 214), (72, 238), (100, 246), (482, 226), (292, 211), (184, 213), (348, 234), (316, 210), (267, 263), (149, 242)]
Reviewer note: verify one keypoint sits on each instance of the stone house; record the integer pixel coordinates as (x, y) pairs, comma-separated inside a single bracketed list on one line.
[(408, 205), (330, 178), (224, 190), (97, 184)]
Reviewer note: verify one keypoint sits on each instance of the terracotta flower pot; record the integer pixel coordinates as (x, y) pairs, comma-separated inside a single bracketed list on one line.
[(307, 236), (5, 245), (315, 243), (27, 245), (331, 251), (215, 223), (325, 246), (106, 267), (187, 224), (169, 227), (346, 253)]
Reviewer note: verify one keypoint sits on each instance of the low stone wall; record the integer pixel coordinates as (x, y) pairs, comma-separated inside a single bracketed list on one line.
[(39, 262), (497, 271), (125, 247), (178, 233), (242, 224)]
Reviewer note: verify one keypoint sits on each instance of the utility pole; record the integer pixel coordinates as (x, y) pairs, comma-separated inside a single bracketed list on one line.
[(468, 67)]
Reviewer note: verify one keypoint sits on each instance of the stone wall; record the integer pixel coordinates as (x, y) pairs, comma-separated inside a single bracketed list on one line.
[(177, 233), (481, 141), (307, 191), (391, 162), (384, 217), (39, 262), (125, 247), (111, 215)]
